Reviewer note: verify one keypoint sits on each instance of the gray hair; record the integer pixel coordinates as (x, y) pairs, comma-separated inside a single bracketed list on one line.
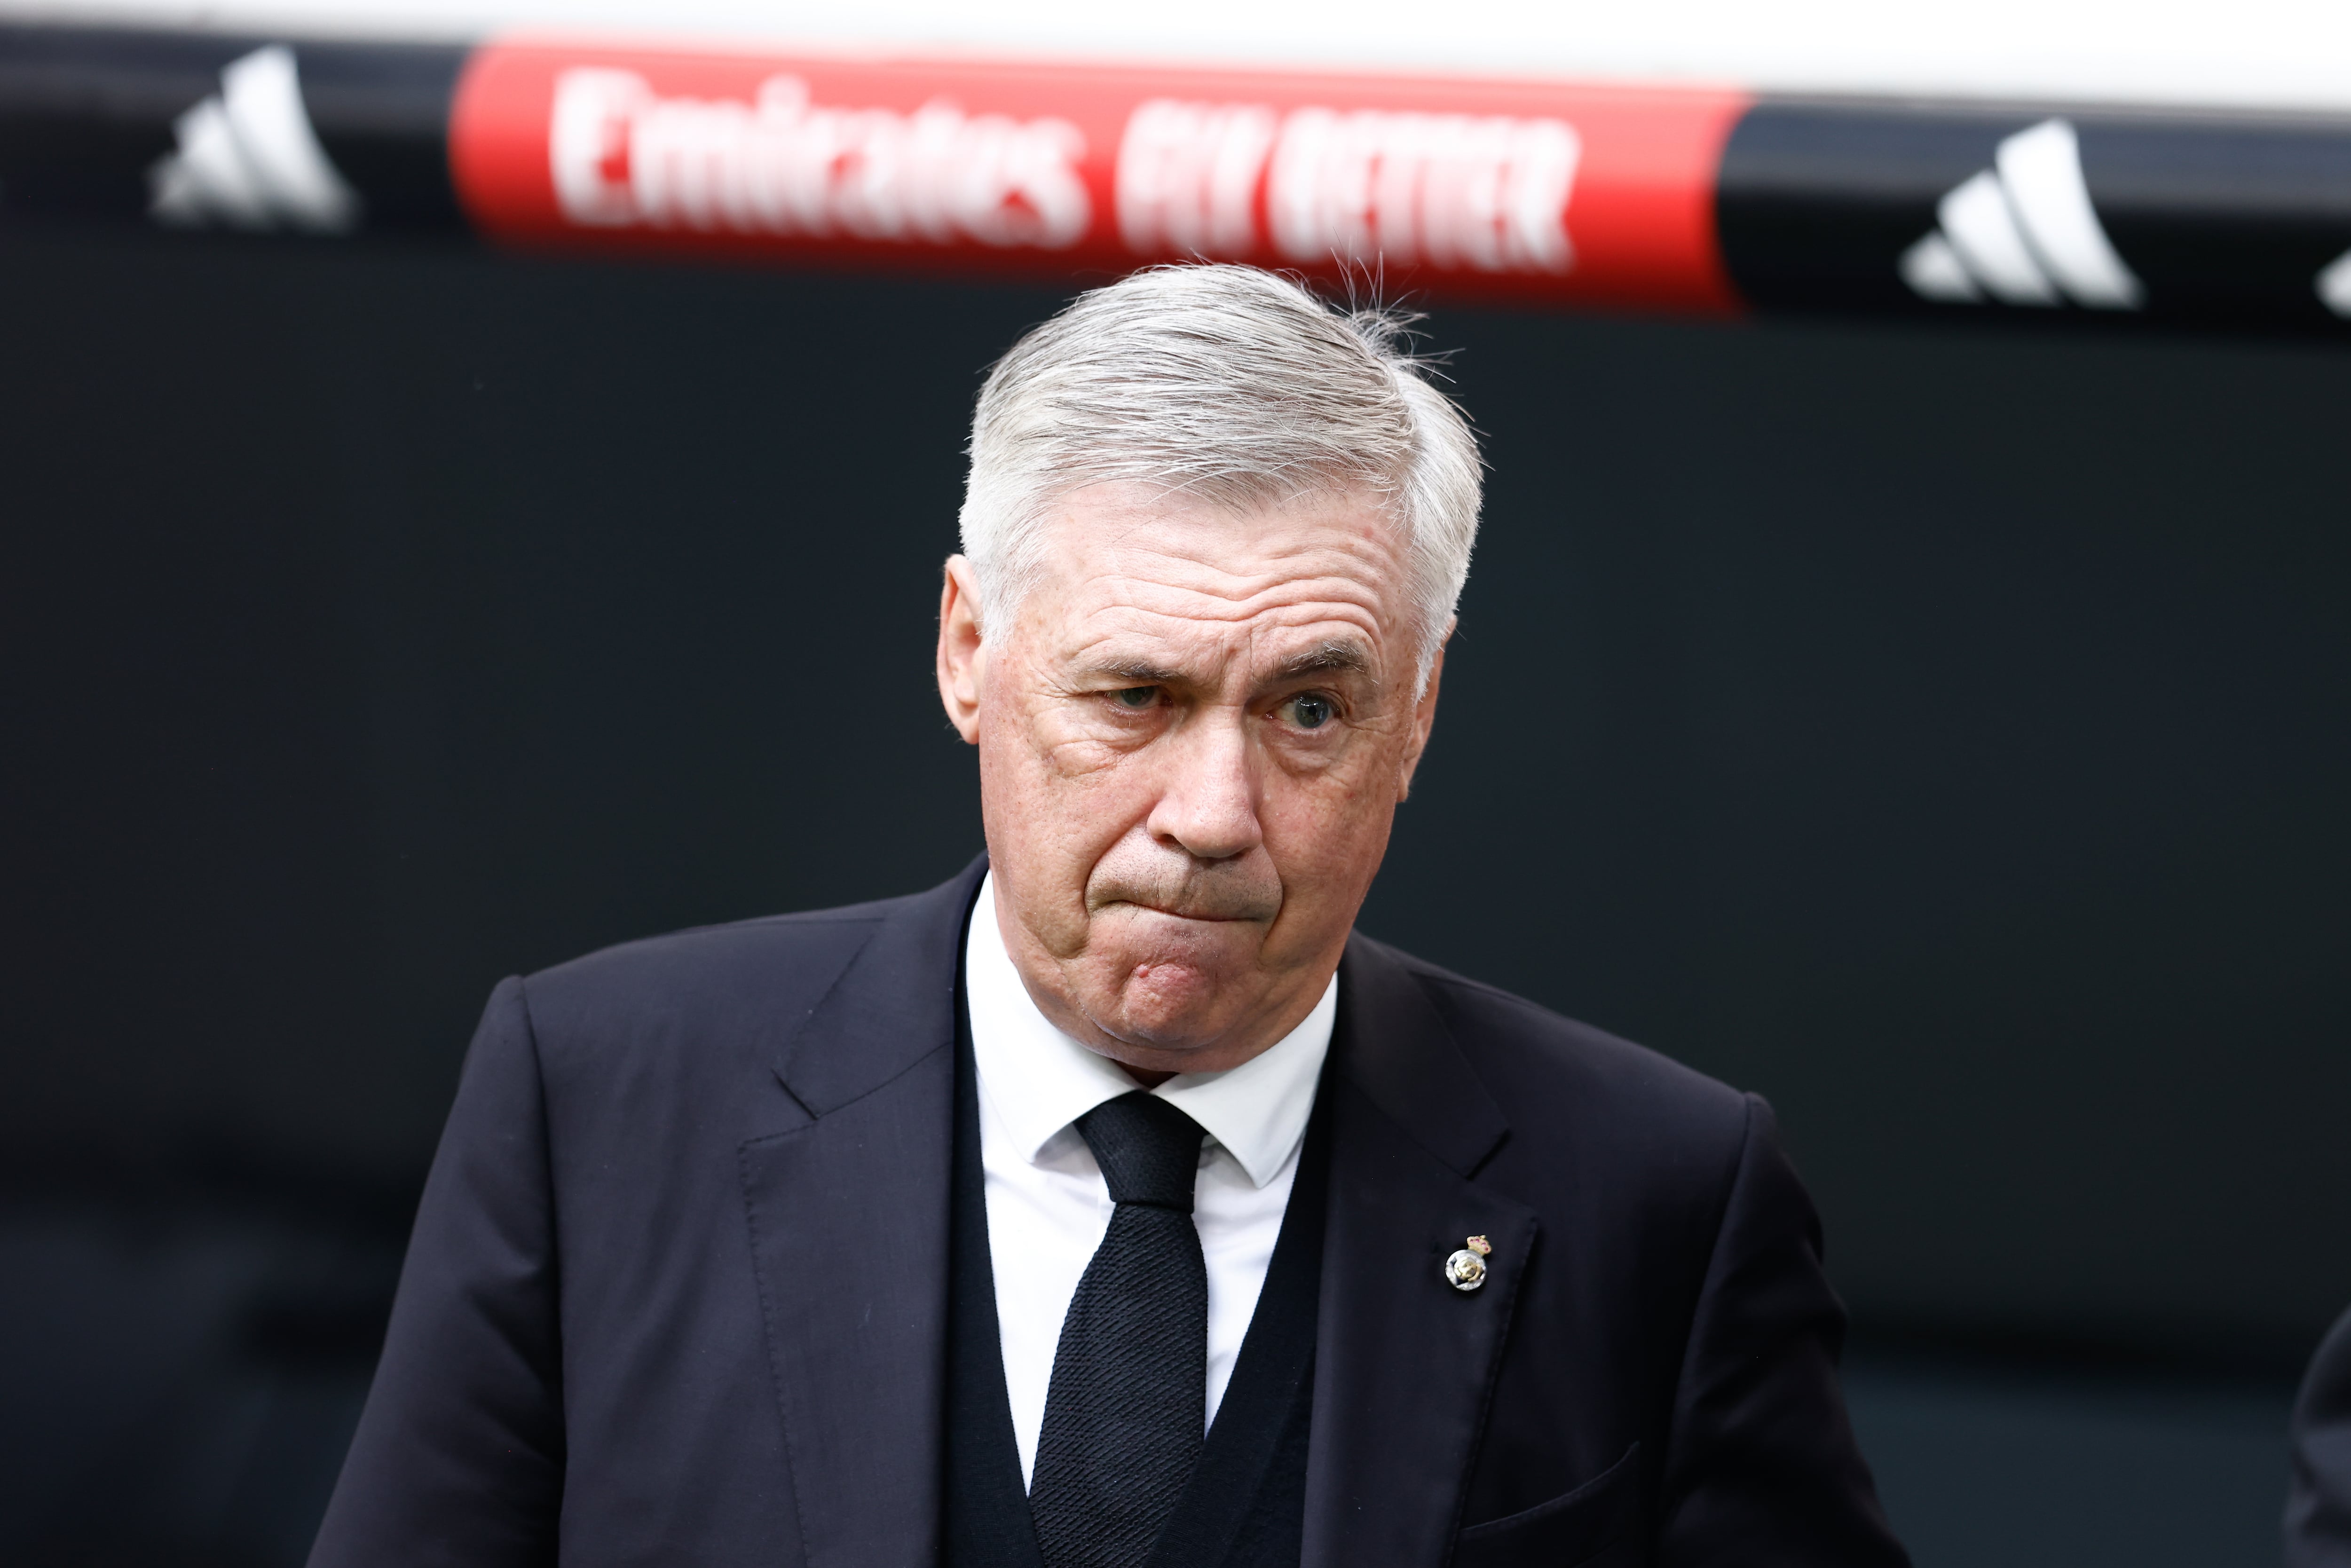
[(1232, 385)]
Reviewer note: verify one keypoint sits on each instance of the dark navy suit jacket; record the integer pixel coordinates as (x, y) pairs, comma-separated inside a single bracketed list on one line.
[(678, 1289), (2318, 1508)]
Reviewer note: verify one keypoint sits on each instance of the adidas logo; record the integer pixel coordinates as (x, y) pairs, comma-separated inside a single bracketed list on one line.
[(2023, 231), (247, 157)]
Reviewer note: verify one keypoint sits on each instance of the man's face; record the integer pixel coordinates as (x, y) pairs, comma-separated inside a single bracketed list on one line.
[(1193, 736)]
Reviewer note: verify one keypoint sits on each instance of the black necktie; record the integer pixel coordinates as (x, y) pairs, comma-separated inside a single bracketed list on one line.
[(1129, 1394)]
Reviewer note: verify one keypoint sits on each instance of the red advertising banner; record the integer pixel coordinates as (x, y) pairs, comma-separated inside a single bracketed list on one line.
[(1478, 188)]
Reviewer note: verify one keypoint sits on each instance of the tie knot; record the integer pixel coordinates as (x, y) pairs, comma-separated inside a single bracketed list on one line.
[(1148, 1150)]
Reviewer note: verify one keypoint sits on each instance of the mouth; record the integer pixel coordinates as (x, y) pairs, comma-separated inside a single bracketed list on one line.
[(1202, 896), (1201, 917)]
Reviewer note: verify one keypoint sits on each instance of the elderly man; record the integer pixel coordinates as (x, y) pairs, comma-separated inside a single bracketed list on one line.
[(1116, 1204)]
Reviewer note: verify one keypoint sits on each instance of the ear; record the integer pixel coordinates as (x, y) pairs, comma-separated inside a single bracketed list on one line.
[(963, 657), (1424, 716)]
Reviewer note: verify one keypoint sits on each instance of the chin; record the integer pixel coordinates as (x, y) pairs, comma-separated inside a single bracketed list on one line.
[(1171, 1007)]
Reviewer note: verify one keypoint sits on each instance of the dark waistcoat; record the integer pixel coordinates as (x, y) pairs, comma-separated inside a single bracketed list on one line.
[(1247, 1502)]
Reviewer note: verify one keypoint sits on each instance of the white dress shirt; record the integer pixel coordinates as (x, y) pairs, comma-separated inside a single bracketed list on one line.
[(1047, 1206)]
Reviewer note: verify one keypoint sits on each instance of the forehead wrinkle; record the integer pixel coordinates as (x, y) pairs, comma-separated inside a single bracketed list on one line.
[(1210, 655), (1280, 581), (1148, 622), (1269, 611), (1308, 560), (1195, 595)]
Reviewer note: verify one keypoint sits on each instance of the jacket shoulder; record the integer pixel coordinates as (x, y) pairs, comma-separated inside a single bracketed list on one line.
[(1553, 1076), (689, 998)]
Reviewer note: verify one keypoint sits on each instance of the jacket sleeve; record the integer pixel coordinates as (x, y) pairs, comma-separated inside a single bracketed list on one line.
[(458, 1458), (1761, 1467), (2318, 1510)]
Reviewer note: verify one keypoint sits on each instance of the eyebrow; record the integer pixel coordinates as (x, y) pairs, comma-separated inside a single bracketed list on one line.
[(1338, 656), (1335, 657), (1135, 672)]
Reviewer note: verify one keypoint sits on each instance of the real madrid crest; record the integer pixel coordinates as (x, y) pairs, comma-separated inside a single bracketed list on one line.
[(1466, 1269)]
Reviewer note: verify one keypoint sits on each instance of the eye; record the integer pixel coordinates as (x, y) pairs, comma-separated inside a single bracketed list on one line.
[(1309, 710), (1135, 699)]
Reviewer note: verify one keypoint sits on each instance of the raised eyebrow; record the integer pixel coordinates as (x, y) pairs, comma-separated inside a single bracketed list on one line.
[(1335, 657), (1133, 671)]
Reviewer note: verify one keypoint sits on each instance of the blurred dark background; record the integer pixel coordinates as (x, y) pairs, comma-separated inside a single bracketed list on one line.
[(1942, 732)]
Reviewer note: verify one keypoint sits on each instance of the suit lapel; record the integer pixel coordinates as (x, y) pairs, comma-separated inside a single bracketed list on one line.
[(849, 1235), (1404, 1362)]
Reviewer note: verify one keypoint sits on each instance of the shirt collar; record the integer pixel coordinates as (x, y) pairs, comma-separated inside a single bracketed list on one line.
[(1039, 1081)]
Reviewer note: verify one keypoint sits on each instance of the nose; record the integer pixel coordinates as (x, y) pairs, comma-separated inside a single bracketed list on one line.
[(1207, 805)]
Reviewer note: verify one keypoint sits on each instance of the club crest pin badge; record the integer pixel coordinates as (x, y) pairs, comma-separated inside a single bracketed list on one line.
[(1466, 1269)]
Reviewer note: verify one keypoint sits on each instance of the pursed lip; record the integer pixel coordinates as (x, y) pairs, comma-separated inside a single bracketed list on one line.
[(1184, 914)]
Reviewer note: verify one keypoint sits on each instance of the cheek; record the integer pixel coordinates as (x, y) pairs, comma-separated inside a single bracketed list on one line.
[(1326, 829), (1061, 793)]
